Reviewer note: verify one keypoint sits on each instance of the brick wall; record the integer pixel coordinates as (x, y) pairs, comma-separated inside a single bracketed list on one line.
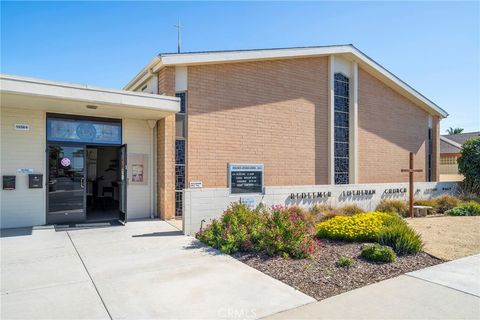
[(389, 127), (166, 150), (271, 112)]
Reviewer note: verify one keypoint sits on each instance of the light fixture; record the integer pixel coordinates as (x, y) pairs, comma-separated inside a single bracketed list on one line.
[(91, 106)]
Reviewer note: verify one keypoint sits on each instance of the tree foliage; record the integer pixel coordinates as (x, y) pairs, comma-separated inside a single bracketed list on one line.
[(469, 165), (454, 130)]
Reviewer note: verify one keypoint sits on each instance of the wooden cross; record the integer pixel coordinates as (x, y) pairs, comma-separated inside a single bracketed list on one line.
[(410, 171)]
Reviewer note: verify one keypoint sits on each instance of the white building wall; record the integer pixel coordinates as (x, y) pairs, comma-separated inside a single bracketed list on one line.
[(138, 137), (203, 205), (22, 149)]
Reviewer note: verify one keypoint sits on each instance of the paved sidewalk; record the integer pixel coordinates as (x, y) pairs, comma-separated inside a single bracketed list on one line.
[(447, 291), (144, 270)]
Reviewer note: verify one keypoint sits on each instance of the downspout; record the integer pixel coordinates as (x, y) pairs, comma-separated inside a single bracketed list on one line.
[(151, 167)]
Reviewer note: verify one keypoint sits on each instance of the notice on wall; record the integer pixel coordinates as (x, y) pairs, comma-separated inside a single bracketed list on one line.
[(138, 168), (245, 178), (22, 127)]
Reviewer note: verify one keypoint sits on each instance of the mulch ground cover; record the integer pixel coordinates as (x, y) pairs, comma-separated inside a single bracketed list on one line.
[(320, 278)]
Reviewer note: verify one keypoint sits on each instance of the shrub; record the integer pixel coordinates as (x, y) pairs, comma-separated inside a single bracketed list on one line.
[(287, 233), (377, 253), (359, 227), (351, 209), (469, 164), (469, 196), (239, 229), (470, 208), (397, 234), (396, 206), (281, 231), (344, 262), (444, 203), (323, 212)]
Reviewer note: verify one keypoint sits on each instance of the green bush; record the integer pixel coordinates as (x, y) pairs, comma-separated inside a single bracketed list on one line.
[(397, 234), (239, 229), (444, 203), (396, 206), (470, 208), (344, 262), (351, 209), (377, 253), (287, 233), (281, 231), (423, 202), (469, 165)]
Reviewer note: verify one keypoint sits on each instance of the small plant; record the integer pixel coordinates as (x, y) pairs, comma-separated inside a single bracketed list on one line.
[(400, 236), (323, 212), (444, 203), (396, 206), (423, 202), (470, 208), (378, 253), (344, 262), (351, 209)]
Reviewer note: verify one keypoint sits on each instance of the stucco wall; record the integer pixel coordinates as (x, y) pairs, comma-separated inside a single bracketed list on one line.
[(389, 127), (22, 149), (271, 112)]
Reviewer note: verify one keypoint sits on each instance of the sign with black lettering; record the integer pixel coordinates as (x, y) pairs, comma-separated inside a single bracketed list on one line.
[(245, 178)]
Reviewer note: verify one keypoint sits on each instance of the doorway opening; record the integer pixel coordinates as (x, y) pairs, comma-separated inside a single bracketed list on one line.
[(103, 182)]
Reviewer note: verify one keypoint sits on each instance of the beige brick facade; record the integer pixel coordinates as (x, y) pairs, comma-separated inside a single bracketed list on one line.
[(276, 113), (271, 112), (389, 127), (166, 150)]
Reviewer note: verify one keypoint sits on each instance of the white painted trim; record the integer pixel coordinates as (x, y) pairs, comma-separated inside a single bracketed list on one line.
[(347, 51), (78, 92), (331, 119), (354, 125), (181, 79)]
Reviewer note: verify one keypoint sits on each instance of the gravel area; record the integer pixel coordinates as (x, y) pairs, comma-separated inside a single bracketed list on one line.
[(447, 237), (320, 278)]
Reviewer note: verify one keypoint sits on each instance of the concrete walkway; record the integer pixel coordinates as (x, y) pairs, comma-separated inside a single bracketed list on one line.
[(447, 291), (144, 270)]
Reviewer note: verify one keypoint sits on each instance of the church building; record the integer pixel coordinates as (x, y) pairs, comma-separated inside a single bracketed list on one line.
[(304, 116)]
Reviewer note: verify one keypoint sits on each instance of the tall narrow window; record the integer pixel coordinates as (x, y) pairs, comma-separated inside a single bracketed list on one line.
[(341, 128), (430, 154), (180, 152)]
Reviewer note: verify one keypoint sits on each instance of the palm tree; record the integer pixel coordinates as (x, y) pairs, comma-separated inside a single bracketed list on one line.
[(454, 130)]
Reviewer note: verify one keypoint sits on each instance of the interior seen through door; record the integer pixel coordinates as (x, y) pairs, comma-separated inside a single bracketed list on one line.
[(103, 183)]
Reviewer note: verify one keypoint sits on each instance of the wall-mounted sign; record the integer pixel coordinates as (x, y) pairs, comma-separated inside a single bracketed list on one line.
[(8, 182), (35, 181), (196, 184), (249, 202), (245, 178), (138, 168), (22, 127), (25, 170)]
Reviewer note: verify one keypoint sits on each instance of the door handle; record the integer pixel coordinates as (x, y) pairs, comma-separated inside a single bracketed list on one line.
[(82, 182)]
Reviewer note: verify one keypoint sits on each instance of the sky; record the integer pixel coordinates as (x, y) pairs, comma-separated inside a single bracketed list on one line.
[(432, 46)]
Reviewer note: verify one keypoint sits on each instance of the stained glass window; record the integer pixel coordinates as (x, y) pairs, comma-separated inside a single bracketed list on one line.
[(341, 129), (180, 152), (84, 130)]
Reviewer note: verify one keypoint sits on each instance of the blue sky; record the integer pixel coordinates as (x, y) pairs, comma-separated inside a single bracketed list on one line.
[(433, 46)]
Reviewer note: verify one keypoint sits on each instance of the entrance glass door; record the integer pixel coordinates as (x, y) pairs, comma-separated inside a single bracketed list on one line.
[(66, 184)]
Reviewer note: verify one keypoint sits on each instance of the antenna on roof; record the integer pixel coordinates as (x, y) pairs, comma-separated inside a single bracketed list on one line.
[(179, 31)]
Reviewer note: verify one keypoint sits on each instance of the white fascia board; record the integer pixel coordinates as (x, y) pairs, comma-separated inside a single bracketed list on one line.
[(144, 75), (241, 56), (78, 92)]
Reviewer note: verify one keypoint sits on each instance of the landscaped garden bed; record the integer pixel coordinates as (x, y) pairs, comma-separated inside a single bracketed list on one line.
[(320, 277)]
